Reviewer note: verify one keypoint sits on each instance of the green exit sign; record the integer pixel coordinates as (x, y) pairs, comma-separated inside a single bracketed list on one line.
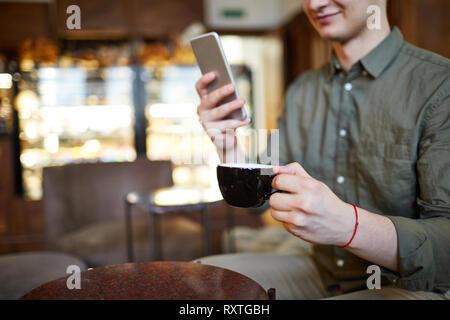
[(233, 13)]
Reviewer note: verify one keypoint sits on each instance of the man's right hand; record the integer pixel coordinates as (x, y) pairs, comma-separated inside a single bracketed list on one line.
[(213, 118)]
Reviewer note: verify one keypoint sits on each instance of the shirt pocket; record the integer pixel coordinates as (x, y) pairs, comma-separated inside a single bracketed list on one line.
[(393, 151), (386, 173)]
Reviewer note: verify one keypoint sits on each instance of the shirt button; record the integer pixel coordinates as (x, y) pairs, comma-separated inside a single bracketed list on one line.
[(342, 132), (348, 86), (340, 263), (340, 179)]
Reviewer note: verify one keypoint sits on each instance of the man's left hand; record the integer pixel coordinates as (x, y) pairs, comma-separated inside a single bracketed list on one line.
[(309, 209)]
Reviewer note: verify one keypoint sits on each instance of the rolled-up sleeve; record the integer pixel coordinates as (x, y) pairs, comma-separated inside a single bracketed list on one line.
[(424, 243)]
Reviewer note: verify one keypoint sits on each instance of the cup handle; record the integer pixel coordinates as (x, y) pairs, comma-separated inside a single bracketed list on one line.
[(271, 193)]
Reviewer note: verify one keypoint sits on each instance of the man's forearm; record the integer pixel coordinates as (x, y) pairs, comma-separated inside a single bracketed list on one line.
[(376, 240)]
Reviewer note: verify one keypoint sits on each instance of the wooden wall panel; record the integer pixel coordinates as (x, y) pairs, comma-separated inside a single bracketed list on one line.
[(5, 183), (158, 18), (424, 23), (432, 27), (109, 19), (100, 19), (19, 21), (298, 39)]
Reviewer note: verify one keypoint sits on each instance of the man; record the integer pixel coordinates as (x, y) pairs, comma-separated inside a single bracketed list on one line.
[(372, 129)]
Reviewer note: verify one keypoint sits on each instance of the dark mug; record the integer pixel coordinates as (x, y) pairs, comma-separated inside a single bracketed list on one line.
[(245, 185)]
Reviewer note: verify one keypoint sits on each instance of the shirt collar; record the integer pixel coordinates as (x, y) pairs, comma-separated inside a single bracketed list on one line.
[(335, 65), (377, 60)]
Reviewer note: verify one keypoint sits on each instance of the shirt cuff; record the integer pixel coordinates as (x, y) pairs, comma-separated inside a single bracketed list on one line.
[(415, 256)]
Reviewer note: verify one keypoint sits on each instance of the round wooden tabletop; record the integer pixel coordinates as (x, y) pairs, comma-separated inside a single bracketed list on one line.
[(154, 280)]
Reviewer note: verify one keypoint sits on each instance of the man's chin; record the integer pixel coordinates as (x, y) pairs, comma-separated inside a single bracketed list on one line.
[(333, 35)]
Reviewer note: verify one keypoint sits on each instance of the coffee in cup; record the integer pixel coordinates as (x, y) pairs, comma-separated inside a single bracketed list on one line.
[(245, 185)]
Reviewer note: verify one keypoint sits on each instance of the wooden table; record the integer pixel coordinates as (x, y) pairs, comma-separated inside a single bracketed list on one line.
[(154, 280)]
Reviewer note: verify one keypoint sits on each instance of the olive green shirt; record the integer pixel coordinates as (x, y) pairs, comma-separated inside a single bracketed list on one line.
[(379, 136)]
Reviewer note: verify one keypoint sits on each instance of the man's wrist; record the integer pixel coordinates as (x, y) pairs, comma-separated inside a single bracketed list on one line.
[(351, 217), (376, 240)]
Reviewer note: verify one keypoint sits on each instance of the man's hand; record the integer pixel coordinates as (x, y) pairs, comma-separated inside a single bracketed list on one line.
[(220, 130), (309, 209)]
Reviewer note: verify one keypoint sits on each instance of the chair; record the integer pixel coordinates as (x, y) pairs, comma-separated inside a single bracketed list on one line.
[(84, 212), (22, 272)]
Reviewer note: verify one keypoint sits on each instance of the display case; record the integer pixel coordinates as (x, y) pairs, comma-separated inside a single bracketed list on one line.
[(72, 115)]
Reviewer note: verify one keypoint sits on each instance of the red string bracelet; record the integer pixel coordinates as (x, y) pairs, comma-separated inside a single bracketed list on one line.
[(356, 227)]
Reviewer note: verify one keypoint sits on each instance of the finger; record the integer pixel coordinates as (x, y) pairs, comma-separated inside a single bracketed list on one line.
[(287, 182), (224, 125), (287, 227), (202, 84), (292, 168), (223, 111), (281, 201), (279, 215), (296, 231), (295, 218), (211, 100)]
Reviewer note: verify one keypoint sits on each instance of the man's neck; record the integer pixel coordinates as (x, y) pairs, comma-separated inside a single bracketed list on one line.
[(351, 51)]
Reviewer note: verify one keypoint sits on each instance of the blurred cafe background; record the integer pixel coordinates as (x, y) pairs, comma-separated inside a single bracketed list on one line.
[(89, 115)]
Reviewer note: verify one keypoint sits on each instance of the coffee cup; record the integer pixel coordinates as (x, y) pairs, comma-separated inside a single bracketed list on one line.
[(245, 185)]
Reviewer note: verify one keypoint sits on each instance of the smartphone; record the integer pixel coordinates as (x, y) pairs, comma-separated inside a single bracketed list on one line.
[(210, 56)]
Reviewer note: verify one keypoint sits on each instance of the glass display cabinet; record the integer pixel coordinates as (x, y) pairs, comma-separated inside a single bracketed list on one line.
[(72, 115)]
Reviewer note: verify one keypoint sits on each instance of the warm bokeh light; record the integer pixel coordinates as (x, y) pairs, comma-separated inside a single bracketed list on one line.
[(27, 102), (185, 195), (5, 81), (171, 110)]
